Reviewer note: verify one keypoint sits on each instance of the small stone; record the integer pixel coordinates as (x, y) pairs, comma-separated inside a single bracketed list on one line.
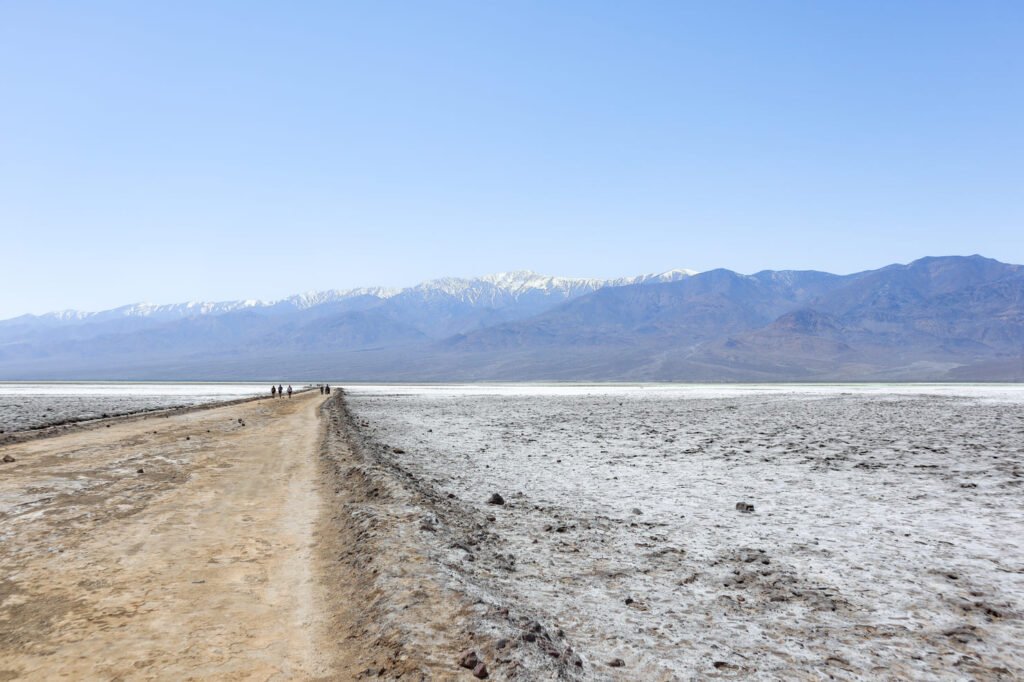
[(496, 498), (744, 507), (140, 471), (616, 663), (636, 510), (469, 659), (8, 459), (480, 671), (629, 600), (492, 518), (398, 451), (502, 643)]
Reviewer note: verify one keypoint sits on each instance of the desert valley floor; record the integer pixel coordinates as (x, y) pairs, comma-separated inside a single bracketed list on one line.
[(556, 532)]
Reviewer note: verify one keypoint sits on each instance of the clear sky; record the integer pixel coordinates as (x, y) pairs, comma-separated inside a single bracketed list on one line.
[(167, 151)]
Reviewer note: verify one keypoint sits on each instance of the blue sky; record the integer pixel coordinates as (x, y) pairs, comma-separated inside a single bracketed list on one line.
[(167, 151)]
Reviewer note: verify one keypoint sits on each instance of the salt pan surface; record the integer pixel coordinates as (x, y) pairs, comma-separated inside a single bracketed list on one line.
[(34, 405), (885, 537)]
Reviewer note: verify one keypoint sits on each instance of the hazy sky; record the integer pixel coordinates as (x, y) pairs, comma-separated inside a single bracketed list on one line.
[(167, 151)]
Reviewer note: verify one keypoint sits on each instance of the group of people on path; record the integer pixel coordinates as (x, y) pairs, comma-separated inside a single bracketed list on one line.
[(279, 390)]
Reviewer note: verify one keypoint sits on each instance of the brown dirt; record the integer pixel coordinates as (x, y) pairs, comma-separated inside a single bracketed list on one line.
[(203, 566), (263, 540)]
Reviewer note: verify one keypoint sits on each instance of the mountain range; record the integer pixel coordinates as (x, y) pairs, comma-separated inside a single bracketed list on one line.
[(955, 318)]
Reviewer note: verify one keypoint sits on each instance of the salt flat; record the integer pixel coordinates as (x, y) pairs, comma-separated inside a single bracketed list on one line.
[(885, 537), (33, 405)]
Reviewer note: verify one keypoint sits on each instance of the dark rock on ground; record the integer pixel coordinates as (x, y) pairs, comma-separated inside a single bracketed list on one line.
[(469, 659), (496, 498)]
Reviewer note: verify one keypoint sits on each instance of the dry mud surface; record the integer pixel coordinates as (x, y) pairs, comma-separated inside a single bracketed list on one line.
[(885, 539)]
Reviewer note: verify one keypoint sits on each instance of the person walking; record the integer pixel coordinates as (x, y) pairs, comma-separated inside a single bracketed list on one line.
[(280, 391), (289, 391), (273, 391), (327, 389)]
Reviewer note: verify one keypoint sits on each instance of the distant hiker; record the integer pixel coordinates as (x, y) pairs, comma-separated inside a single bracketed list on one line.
[(321, 389), (289, 390), (273, 391), (280, 391), (327, 389)]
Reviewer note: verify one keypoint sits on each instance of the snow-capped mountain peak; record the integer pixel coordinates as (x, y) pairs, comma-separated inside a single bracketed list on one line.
[(497, 290)]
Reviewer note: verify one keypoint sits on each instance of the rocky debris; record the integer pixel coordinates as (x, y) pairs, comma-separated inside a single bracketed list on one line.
[(744, 507), (398, 451), (140, 471), (534, 632), (8, 459), (496, 498), (480, 671), (636, 510), (616, 663)]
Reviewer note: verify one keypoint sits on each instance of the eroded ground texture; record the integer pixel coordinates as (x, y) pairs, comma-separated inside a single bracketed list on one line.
[(885, 538)]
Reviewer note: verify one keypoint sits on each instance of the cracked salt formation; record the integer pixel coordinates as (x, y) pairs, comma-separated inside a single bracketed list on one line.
[(884, 535)]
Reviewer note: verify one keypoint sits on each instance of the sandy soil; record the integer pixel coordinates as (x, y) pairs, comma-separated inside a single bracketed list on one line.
[(173, 547)]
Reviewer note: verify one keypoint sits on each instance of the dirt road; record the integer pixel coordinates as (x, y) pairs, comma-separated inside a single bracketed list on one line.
[(178, 547)]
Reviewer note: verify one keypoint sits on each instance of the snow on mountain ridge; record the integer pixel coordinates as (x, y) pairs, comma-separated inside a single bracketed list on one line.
[(494, 289)]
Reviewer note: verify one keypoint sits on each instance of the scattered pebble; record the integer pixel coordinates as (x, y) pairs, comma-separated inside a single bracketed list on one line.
[(469, 659)]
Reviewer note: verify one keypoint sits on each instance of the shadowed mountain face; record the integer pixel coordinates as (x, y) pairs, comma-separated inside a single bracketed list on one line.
[(952, 318)]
